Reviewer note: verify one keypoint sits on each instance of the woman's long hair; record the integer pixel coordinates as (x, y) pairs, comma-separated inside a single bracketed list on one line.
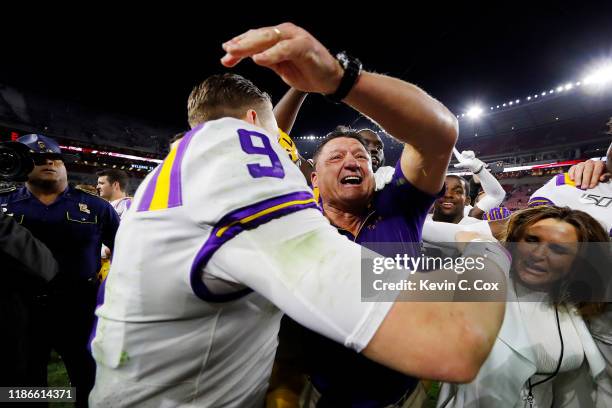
[(584, 280)]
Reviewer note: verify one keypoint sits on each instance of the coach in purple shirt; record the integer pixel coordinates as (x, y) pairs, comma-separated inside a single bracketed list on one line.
[(395, 214)]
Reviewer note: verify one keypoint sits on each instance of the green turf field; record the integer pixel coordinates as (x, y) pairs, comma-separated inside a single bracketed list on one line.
[(57, 377)]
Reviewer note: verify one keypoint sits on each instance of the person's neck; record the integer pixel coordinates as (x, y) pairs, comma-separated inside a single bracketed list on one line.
[(349, 220), (117, 196), (453, 219), (46, 194)]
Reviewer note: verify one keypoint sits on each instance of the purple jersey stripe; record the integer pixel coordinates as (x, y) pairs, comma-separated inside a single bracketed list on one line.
[(262, 205), (147, 197), (214, 242), (175, 198), (560, 179), (536, 201)]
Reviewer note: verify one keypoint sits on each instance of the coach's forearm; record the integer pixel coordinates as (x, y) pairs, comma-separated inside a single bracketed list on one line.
[(405, 111)]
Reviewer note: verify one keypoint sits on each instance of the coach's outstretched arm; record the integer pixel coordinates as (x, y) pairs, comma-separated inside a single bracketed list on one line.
[(402, 109)]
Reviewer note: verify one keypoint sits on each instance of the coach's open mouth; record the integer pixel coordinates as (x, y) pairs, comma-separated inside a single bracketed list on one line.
[(355, 180)]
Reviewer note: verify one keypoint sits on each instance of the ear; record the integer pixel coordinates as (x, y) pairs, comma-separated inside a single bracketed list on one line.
[(116, 185), (251, 117), (468, 200), (313, 179)]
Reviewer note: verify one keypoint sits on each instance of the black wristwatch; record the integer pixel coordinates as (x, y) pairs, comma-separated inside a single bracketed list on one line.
[(352, 69)]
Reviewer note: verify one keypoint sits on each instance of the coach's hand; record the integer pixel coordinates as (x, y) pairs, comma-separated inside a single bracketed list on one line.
[(290, 51)]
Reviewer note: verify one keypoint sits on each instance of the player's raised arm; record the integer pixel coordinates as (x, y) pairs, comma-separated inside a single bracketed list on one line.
[(402, 109), (287, 109)]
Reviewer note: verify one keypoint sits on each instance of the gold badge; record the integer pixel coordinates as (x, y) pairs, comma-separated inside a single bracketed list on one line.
[(42, 146), (83, 208)]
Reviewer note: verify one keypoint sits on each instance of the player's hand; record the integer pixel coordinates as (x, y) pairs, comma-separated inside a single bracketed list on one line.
[(589, 173), (383, 176), (468, 161), (290, 51)]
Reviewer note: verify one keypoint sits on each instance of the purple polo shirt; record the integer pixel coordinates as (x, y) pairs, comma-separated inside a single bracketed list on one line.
[(345, 378)]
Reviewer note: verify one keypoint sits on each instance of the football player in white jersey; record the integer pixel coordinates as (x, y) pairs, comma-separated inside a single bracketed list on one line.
[(225, 232), (493, 192), (112, 186), (581, 189)]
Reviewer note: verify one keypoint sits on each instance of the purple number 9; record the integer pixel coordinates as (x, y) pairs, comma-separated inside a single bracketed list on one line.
[(257, 170)]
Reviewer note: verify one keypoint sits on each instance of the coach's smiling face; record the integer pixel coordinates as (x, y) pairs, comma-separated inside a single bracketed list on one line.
[(343, 174)]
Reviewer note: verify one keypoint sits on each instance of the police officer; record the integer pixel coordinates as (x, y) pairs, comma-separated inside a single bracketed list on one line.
[(73, 224)]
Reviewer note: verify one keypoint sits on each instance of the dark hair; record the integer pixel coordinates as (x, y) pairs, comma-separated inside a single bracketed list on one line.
[(588, 229), (115, 175), (474, 189), (466, 185), (223, 95), (340, 131), (368, 130)]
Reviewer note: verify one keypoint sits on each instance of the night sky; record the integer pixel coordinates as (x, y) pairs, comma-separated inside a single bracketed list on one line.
[(144, 63)]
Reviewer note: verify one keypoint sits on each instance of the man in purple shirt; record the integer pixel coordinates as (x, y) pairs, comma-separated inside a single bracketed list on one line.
[(395, 214)]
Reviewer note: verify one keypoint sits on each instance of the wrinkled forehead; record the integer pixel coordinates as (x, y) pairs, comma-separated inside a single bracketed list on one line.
[(343, 144)]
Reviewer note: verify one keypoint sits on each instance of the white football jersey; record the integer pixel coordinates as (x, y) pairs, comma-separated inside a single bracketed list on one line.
[(562, 191), (122, 205), (218, 238)]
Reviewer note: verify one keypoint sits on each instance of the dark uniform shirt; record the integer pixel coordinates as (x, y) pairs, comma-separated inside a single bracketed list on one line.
[(73, 227), (344, 377)]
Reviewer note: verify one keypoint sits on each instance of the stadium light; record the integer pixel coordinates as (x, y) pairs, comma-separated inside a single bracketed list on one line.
[(599, 76), (474, 112)]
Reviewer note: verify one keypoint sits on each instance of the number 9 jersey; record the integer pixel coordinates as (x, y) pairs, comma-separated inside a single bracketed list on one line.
[(218, 236)]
